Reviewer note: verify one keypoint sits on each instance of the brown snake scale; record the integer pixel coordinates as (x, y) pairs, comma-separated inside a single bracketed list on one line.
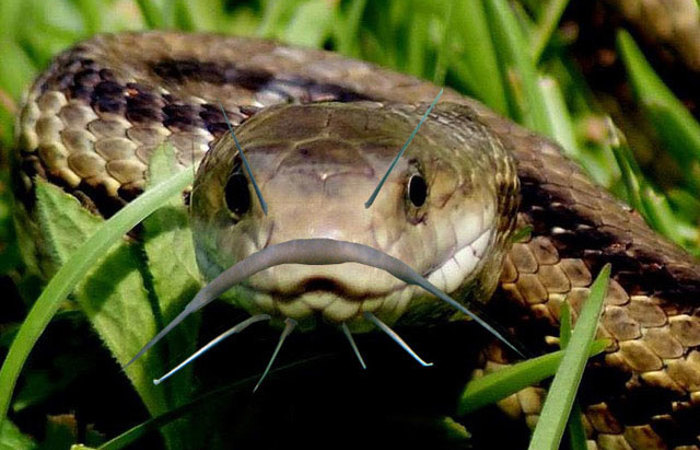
[(92, 119)]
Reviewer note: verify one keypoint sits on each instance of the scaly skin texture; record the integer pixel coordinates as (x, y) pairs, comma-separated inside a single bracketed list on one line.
[(91, 121)]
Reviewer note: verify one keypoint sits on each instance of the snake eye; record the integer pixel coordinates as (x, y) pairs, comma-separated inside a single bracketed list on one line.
[(417, 190), (237, 194)]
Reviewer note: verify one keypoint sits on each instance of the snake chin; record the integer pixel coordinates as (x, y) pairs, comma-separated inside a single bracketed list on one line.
[(315, 298), (311, 308)]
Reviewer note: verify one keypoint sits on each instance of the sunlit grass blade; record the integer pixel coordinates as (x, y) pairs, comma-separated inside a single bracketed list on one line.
[(70, 274), (558, 116), (476, 68), (346, 35), (311, 23), (91, 12), (443, 49), (562, 392), (151, 13), (676, 127), (509, 380), (654, 206), (577, 434), (546, 26), (512, 48)]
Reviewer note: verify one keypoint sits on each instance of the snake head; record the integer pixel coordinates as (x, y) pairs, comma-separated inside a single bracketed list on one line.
[(446, 209)]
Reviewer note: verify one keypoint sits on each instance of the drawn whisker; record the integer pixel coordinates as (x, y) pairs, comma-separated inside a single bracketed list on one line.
[(392, 334), (289, 325), (233, 330), (348, 335)]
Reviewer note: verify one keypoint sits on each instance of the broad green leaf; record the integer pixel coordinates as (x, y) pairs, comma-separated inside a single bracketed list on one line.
[(61, 285), (111, 292), (11, 438), (174, 274)]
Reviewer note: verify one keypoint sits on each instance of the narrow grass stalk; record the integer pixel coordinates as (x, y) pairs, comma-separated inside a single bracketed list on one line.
[(443, 50), (498, 385), (62, 284), (546, 26), (577, 434), (152, 16), (562, 392)]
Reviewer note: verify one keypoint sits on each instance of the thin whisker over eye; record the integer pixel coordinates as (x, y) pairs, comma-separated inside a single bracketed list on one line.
[(263, 205), (372, 197), (392, 334), (348, 335), (289, 325), (233, 330)]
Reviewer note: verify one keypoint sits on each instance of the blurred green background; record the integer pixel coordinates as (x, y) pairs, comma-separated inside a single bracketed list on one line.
[(561, 68)]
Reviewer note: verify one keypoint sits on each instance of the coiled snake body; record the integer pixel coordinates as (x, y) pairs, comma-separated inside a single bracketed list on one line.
[(92, 120)]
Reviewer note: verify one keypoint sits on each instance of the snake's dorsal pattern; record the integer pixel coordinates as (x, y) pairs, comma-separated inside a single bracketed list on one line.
[(92, 119)]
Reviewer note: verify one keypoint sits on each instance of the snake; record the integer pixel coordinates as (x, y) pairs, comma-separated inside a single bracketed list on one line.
[(319, 130)]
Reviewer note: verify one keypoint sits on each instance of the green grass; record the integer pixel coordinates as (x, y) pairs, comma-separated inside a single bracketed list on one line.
[(502, 56)]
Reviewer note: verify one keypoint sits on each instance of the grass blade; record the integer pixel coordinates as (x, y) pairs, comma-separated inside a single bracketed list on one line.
[(562, 392), (577, 434), (495, 386), (676, 127), (526, 99), (546, 26), (477, 69)]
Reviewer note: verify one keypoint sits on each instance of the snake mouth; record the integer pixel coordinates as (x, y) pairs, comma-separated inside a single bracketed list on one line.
[(311, 252), (341, 291), (329, 295)]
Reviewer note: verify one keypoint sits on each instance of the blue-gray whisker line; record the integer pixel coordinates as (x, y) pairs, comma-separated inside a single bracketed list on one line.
[(245, 161), (369, 202)]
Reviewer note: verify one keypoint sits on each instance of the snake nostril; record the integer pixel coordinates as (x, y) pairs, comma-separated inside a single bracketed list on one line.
[(237, 194), (417, 190)]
